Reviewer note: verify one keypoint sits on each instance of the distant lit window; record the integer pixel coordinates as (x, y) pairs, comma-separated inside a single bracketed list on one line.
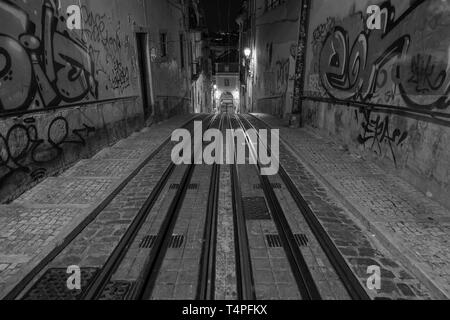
[(227, 82)]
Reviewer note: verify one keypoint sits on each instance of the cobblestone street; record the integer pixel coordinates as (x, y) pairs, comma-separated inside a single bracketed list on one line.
[(372, 223), (41, 219)]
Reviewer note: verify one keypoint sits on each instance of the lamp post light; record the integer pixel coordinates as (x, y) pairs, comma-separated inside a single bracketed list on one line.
[(247, 52)]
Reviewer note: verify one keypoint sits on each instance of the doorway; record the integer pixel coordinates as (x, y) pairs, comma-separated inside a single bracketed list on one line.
[(145, 73)]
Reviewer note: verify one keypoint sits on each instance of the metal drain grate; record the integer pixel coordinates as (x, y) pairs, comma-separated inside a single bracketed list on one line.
[(193, 186), (176, 242), (273, 240), (255, 208), (302, 240), (117, 290), (274, 186), (147, 242), (176, 186), (53, 285)]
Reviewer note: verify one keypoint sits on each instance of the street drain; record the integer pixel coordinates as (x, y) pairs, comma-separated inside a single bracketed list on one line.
[(176, 186), (147, 242), (302, 240), (273, 185), (53, 285), (117, 290), (274, 240), (255, 208), (176, 242)]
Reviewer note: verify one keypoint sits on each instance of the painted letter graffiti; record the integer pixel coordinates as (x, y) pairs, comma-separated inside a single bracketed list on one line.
[(23, 147), (360, 64), (38, 72)]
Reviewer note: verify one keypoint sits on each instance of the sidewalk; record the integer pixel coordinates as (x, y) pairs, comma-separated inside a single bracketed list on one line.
[(414, 228), (39, 221)]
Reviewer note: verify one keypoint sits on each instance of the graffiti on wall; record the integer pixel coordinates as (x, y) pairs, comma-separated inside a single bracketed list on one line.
[(395, 65), (96, 32), (41, 71), (25, 149), (404, 65), (378, 135)]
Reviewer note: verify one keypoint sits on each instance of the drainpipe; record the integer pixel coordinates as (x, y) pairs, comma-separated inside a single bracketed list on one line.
[(296, 119)]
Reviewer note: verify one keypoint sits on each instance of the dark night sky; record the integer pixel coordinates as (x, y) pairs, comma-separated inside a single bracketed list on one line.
[(217, 14)]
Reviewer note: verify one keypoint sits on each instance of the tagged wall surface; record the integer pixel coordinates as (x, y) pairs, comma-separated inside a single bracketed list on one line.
[(64, 94), (392, 85)]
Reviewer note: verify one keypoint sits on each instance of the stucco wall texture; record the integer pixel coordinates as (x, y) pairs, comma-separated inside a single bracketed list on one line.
[(381, 93), (66, 94)]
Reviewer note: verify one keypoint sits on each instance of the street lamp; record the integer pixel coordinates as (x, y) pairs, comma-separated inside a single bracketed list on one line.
[(247, 52)]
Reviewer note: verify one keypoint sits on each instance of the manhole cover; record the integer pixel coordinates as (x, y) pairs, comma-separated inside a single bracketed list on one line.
[(117, 290), (255, 208), (53, 285)]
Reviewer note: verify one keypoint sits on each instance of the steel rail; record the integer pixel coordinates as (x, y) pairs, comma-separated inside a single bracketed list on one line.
[(343, 270), (103, 277), (302, 274), (207, 278), (244, 271), (16, 292), (144, 288)]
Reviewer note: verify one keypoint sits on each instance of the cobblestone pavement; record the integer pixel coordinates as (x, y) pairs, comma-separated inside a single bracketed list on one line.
[(366, 210), (33, 225)]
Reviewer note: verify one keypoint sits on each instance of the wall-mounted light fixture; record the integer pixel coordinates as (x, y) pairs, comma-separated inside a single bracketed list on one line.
[(247, 52)]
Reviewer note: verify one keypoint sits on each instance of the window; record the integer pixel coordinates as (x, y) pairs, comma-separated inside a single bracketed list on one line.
[(163, 43), (227, 82), (182, 50)]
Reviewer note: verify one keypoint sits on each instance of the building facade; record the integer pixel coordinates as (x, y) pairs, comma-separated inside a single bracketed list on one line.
[(67, 93), (382, 93)]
